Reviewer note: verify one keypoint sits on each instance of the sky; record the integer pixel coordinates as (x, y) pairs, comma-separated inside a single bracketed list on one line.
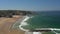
[(30, 5)]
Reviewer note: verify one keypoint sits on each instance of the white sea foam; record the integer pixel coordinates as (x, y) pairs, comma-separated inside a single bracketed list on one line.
[(54, 29), (23, 23)]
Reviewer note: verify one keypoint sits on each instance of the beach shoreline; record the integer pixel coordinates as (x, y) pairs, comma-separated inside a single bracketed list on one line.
[(23, 23), (6, 23)]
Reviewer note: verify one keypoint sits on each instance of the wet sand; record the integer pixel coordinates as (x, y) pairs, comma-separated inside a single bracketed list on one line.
[(6, 23)]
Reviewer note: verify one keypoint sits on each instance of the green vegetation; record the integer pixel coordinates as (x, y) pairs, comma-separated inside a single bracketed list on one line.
[(10, 13)]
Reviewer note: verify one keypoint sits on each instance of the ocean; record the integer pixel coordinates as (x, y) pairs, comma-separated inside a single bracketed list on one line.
[(44, 19)]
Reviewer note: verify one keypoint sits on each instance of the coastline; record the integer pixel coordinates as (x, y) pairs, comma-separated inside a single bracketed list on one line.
[(23, 23), (6, 23)]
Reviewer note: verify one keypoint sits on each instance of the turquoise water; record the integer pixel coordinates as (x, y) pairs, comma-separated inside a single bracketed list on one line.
[(45, 20)]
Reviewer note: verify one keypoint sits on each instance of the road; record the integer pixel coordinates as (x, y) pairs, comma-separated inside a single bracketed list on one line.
[(6, 23)]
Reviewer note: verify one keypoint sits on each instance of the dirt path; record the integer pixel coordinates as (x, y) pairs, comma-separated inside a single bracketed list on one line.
[(5, 24)]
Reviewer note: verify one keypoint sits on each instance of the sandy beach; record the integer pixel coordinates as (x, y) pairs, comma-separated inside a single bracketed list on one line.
[(6, 23)]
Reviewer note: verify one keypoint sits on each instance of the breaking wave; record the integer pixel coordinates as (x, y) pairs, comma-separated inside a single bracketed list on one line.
[(23, 23)]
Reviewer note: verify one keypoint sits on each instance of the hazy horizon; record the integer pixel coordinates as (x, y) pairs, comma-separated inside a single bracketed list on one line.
[(30, 5)]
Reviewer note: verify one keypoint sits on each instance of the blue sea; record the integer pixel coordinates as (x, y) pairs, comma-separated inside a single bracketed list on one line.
[(45, 19)]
